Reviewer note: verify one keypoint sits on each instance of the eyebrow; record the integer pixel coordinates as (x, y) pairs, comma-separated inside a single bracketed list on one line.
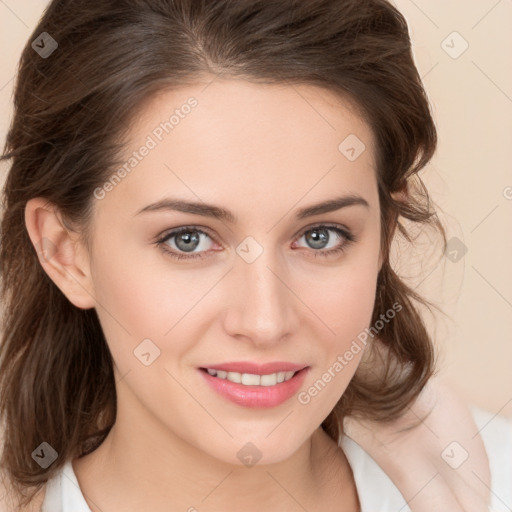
[(217, 212)]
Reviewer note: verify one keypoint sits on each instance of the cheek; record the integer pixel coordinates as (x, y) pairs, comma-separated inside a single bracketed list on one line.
[(343, 297), (139, 296), (345, 305), (345, 308), (126, 297), (131, 301)]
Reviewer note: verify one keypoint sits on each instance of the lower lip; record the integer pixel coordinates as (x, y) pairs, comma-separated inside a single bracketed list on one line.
[(256, 396)]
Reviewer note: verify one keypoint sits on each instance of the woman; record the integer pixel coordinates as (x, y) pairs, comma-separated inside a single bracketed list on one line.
[(195, 253)]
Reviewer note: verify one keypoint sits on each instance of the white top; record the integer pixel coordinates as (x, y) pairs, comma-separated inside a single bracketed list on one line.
[(376, 491)]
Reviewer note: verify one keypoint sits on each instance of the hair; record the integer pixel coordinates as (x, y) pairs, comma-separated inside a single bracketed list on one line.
[(72, 111)]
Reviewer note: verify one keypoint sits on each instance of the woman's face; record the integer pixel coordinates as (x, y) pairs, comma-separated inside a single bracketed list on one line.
[(253, 285)]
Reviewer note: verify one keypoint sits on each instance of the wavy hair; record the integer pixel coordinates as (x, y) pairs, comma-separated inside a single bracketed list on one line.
[(71, 113)]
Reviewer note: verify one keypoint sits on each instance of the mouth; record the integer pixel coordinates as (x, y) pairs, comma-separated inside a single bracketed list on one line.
[(259, 389), (252, 379)]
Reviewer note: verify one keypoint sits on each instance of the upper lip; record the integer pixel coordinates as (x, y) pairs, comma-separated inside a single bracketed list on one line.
[(255, 368)]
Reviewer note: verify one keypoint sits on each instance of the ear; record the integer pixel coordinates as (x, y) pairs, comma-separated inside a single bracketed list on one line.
[(60, 253), (400, 196)]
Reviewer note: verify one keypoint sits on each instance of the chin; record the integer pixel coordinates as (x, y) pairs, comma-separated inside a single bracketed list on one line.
[(259, 449)]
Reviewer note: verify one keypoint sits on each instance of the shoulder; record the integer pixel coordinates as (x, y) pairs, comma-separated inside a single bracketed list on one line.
[(378, 493)]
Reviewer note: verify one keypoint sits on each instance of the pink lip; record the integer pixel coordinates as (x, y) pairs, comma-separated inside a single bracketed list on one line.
[(257, 369), (256, 396)]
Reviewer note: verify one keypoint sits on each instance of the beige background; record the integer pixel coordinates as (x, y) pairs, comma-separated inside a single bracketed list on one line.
[(471, 96)]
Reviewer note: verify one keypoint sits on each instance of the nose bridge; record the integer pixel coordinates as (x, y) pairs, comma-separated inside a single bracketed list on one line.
[(262, 309)]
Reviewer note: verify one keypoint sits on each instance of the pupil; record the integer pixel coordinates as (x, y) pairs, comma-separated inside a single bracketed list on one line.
[(318, 237), (189, 240)]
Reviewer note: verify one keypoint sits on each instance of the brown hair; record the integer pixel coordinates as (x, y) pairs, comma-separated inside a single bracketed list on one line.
[(72, 110)]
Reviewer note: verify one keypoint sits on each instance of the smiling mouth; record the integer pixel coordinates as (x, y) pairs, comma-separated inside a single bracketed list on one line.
[(251, 379)]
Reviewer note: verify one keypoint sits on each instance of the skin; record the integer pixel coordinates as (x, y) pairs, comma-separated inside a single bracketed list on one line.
[(411, 456), (265, 152), (262, 152)]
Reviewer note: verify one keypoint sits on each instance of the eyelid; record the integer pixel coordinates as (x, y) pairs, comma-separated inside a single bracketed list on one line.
[(314, 225), (207, 231), (173, 232), (185, 227), (161, 239)]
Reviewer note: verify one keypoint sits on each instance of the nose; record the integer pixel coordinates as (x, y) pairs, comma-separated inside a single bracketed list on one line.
[(261, 305)]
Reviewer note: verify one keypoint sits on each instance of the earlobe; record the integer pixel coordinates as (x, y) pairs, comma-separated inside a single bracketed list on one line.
[(61, 255), (401, 195)]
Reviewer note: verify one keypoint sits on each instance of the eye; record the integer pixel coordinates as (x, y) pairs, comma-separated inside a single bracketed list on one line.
[(185, 240), (318, 237)]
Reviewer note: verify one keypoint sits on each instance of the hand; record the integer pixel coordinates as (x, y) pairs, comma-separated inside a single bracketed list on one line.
[(412, 458)]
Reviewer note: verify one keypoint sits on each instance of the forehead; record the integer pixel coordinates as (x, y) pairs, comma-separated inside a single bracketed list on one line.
[(246, 144)]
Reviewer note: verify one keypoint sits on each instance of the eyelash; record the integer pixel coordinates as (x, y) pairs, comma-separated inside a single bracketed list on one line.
[(349, 237)]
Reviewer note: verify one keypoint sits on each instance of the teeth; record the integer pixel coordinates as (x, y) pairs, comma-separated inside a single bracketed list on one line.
[(250, 379), (234, 377), (247, 379)]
